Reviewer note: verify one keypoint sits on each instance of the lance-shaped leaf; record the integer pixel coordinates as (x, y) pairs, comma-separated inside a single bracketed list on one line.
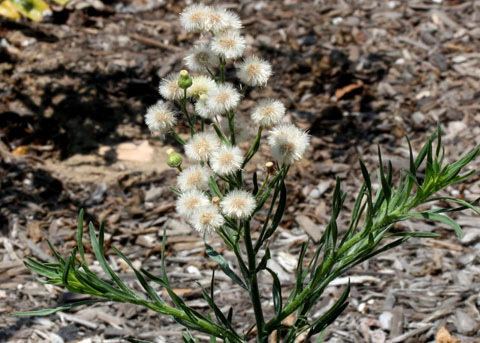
[(321, 323), (276, 292), (99, 254), (64, 307), (217, 257), (79, 236), (150, 291), (438, 218)]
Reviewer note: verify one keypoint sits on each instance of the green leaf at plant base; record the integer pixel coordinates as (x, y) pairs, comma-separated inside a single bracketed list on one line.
[(64, 307)]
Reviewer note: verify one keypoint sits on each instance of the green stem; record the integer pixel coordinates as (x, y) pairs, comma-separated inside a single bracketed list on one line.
[(177, 137), (254, 147), (231, 126), (183, 105), (253, 284), (222, 69)]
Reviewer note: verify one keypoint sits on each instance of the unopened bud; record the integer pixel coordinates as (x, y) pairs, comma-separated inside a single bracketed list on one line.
[(174, 159), (216, 201), (270, 167), (184, 80)]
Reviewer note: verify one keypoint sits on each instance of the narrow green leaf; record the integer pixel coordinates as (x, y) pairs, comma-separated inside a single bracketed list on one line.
[(43, 269), (282, 204), (69, 264), (423, 152), (255, 183), (465, 204), (263, 262), (413, 168), (386, 189), (439, 142), (216, 310), (214, 187), (150, 291), (438, 218), (253, 148), (332, 314), (79, 236), (230, 315), (276, 292), (220, 134), (154, 278), (55, 253), (188, 338), (49, 311), (299, 273), (214, 255), (366, 176), (99, 254), (415, 234)]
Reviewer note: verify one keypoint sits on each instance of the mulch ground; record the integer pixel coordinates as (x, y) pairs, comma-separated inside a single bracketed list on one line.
[(73, 92)]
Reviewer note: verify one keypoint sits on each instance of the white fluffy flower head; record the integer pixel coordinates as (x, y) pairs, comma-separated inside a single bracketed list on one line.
[(195, 18), (222, 98), (238, 204), (226, 160), (193, 177), (288, 143), (206, 219), (160, 117), (201, 18), (169, 88), (202, 109), (254, 71), (200, 147), (201, 59), (188, 202), (268, 113), (200, 85), (229, 44), (223, 20)]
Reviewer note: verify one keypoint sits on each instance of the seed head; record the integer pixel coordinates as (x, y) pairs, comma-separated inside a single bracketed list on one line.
[(200, 85), (228, 44), (193, 177), (268, 113), (222, 98), (201, 59), (238, 204), (189, 201), (226, 160), (169, 87), (288, 143), (206, 219), (201, 146), (160, 117), (254, 71)]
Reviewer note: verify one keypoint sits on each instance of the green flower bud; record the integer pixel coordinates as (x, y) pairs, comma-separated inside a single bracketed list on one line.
[(174, 159), (185, 80)]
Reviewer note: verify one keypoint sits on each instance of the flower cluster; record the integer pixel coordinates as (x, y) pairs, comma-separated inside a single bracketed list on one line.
[(211, 190)]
